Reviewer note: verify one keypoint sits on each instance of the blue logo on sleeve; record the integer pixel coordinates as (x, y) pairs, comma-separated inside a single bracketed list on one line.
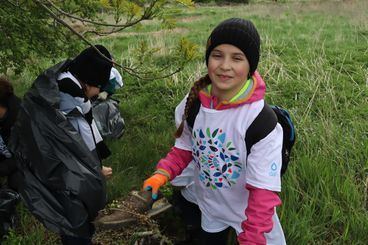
[(273, 171)]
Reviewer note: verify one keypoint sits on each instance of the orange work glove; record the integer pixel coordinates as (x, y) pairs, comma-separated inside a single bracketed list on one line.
[(155, 182)]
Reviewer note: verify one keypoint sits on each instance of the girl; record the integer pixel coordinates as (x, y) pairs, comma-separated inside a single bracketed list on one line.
[(84, 78), (77, 86), (232, 187)]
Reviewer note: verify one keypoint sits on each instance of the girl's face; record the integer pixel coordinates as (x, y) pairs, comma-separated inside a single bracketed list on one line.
[(92, 91), (228, 69)]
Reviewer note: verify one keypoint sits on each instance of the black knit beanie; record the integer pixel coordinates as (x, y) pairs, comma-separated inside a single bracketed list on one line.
[(91, 68), (240, 33)]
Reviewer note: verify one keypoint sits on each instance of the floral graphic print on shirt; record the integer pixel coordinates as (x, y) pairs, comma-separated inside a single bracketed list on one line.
[(216, 158)]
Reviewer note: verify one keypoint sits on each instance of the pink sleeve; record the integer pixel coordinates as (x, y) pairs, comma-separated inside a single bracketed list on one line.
[(175, 161), (261, 207)]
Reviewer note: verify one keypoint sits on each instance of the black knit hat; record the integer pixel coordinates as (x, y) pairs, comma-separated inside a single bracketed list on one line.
[(240, 33), (91, 68)]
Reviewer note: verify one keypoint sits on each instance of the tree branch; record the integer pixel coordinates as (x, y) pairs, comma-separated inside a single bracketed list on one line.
[(53, 15), (128, 70), (145, 16)]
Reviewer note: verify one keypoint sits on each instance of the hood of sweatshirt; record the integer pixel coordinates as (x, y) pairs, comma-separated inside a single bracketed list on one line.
[(253, 90)]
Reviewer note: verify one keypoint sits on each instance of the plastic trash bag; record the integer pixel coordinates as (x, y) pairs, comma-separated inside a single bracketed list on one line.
[(108, 118), (62, 184)]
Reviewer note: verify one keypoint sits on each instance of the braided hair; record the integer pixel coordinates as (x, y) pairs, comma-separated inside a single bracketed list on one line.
[(193, 95)]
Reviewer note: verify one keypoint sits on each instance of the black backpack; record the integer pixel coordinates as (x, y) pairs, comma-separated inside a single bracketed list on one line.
[(262, 125)]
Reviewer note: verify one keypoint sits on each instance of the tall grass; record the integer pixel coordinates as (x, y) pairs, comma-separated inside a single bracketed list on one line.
[(315, 63)]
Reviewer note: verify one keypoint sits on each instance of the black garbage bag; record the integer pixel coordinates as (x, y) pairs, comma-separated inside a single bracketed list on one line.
[(108, 118), (62, 184), (8, 202)]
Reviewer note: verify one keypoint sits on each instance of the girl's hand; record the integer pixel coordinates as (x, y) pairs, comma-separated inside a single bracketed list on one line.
[(155, 182), (106, 171)]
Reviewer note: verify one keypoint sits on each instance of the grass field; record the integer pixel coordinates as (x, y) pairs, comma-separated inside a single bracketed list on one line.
[(315, 63)]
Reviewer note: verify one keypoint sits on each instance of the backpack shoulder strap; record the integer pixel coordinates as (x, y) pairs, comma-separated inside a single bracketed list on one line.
[(262, 125), (193, 112)]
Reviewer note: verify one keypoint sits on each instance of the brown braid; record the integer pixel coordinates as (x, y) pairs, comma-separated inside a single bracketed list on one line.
[(193, 95)]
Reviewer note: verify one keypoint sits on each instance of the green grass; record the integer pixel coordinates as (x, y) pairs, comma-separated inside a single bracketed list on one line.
[(315, 63)]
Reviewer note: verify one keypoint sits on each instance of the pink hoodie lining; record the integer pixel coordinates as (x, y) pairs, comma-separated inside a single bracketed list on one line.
[(257, 93)]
